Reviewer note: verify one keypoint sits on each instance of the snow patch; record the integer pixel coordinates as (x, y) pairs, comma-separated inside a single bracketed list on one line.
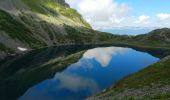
[(22, 49)]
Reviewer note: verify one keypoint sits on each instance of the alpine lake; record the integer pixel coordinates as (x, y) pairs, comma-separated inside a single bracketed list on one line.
[(73, 72)]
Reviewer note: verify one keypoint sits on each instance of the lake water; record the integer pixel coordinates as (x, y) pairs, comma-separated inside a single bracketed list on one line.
[(96, 70)]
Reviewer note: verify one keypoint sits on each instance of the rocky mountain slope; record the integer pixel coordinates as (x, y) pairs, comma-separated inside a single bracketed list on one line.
[(159, 38), (156, 37), (32, 24)]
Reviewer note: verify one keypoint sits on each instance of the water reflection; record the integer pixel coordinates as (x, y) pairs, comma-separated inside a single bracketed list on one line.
[(75, 82), (97, 70), (62, 87), (18, 74), (104, 55)]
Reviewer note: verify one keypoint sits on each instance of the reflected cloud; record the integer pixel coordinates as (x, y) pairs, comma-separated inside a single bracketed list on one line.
[(82, 63), (104, 55), (75, 83)]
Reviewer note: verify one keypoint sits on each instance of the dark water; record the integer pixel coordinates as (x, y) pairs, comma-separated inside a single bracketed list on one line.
[(96, 70)]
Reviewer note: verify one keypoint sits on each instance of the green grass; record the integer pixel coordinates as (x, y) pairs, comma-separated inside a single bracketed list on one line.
[(74, 34), (157, 74), (136, 41), (67, 12), (48, 29), (18, 31), (35, 5), (50, 7), (5, 49), (85, 35)]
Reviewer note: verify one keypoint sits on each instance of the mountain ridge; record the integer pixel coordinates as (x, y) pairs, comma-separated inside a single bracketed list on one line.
[(32, 24)]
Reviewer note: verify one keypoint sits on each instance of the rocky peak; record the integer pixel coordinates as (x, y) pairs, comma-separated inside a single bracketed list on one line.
[(62, 2), (160, 35)]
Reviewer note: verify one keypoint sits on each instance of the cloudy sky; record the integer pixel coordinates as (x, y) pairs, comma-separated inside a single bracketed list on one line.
[(103, 14)]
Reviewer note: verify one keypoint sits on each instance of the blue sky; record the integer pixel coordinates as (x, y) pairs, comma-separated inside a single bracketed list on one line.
[(149, 7), (107, 14)]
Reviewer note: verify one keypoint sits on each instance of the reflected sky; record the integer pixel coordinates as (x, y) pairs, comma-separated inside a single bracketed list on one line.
[(104, 55), (97, 70)]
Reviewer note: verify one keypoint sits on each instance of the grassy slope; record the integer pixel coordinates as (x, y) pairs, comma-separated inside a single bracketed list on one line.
[(17, 30), (75, 34), (155, 39), (81, 31), (26, 33), (87, 36), (67, 12), (5, 49), (157, 73), (47, 7)]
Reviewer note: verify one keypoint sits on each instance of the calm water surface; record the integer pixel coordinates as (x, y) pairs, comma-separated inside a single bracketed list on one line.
[(97, 70)]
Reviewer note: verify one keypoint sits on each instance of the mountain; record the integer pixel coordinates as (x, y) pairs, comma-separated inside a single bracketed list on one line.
[(158, 35), (158, 38), (32, 24), (128, 30)]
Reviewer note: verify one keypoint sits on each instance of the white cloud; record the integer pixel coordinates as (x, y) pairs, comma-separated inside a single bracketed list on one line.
[(72, 3), (101, 13), (163, 19), (22, 49), (143, 19), (163, 16), (106, 14)]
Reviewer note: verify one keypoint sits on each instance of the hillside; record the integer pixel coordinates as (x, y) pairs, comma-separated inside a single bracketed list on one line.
[(32, 24), (159, 38)]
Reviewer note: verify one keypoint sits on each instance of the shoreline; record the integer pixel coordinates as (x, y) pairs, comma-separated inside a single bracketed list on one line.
[(90, 44)]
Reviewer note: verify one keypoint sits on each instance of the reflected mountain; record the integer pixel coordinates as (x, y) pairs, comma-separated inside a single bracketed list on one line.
[(18, 74)]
